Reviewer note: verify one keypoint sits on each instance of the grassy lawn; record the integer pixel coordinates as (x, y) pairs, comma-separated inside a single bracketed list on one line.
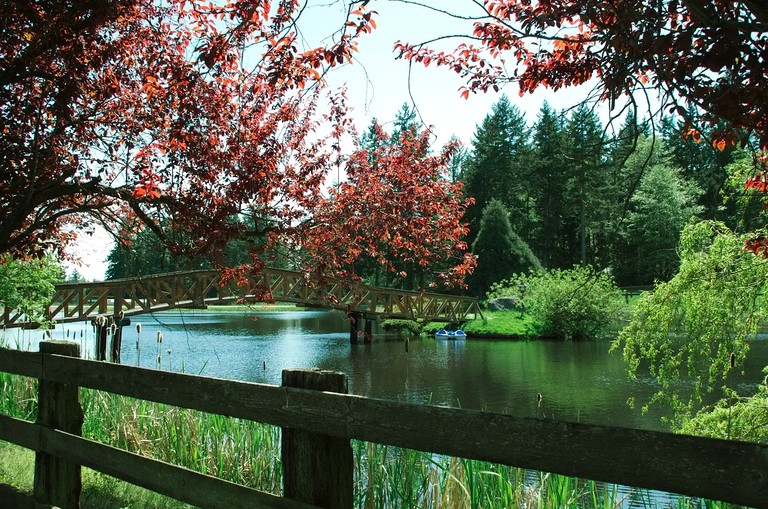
[(494, 324), (99, 490), (502, 324)]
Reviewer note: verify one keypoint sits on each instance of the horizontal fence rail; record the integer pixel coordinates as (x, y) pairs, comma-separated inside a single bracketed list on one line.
[(83, 301), (723, 470)]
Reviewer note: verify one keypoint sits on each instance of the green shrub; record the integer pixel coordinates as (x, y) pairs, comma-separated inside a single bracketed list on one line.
[(734, 418), (570, 304), (402, 326), (27, 285)]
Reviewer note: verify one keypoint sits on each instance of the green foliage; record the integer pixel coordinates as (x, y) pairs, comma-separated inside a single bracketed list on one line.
[(585, 178), (549, 159), (28, 285), (695, 327), (577, 303), (661, 207), (500, 251), (734, 418), (502, 324), (746, 206), (499, 167), (700, 161), (402, 326)]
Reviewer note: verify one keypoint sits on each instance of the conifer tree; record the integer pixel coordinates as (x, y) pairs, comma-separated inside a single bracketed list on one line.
[(548, 164), (498, 167), (500, 251)]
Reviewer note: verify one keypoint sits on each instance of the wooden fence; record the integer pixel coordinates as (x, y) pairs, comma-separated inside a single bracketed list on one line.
[(317, 429)]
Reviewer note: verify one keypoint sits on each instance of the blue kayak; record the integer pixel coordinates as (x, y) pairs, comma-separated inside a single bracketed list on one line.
[(450, 334)]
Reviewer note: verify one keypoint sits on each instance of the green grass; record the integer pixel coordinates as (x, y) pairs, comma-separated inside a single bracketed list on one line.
[(99, 490), (502, 324), (494, 325)]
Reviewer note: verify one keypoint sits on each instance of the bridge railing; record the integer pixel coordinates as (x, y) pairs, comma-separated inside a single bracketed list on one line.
[(82, 301), (317, 429)]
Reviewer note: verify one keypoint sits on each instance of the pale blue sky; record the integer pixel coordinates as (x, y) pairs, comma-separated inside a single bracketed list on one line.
[(378, 84)]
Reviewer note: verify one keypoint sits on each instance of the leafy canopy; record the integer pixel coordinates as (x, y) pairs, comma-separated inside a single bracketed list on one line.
[(27, 286), (201, 121), (708, 54), (695, 326)]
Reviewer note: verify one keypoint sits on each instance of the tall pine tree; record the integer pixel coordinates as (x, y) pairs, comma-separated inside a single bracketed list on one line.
[(585, 175), (498, 167), (549, 187)]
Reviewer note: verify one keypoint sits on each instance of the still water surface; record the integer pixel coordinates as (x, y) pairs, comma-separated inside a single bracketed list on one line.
[(578, 381)]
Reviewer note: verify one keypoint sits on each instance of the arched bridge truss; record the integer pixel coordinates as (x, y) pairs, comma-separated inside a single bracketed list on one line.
[(84, 301)]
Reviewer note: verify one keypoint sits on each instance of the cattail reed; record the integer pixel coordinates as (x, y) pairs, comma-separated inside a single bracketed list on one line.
[(159, 342), (138, 344)]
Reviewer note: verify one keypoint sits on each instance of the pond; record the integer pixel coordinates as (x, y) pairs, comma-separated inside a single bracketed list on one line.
[(577, 381)]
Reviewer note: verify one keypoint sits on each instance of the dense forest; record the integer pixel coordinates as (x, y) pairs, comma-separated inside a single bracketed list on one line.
[(558, 191)]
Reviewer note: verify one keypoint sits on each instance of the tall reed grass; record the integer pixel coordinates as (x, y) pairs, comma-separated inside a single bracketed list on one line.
[(248, 453)]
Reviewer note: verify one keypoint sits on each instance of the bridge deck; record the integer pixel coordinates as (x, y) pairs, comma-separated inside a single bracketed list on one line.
[(83, 301)]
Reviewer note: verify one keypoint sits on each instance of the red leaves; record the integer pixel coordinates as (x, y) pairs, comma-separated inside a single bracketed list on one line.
[(147, 188), (708, 56), (152, 110), (757, 245), (757, 182), (395, 209)]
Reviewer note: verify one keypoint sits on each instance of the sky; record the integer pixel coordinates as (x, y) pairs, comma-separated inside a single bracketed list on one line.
[(378, 85)]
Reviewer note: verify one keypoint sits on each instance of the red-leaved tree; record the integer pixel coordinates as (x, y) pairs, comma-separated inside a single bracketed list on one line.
[(376, 214), (204, 121)]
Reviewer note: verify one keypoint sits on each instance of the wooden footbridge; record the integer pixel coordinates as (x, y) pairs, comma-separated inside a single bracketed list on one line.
[(125, 297)]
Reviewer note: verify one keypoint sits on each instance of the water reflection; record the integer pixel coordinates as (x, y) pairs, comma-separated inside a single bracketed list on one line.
[(576, 381)]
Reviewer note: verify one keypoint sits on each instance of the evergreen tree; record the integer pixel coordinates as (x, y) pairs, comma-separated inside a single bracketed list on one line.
[(548, 184), (499, 167), (659, 208), (142, 255), (500, 251), (406, 121), (585, 178), (458, 161)]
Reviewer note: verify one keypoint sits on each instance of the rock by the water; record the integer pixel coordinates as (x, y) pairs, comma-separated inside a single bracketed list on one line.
[(504, 303)]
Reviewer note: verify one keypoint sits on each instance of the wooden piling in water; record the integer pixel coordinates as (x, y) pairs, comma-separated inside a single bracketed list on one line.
[(368, 334), (102, 329), (354, 326)]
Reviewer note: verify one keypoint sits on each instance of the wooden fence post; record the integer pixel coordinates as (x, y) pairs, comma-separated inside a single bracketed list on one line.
[(57, 481), (317, 469)]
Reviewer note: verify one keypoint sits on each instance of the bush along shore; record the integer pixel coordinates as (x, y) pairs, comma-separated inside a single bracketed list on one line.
[(248, 453)]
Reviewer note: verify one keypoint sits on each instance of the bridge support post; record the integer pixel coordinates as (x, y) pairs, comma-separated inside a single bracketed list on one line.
[(117, 331), (102, 329), (354, 326), (117, 339), (368, 334)]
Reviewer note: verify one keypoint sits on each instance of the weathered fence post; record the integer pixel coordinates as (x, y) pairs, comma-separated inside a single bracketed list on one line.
[(317, 469), (57, 481)]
